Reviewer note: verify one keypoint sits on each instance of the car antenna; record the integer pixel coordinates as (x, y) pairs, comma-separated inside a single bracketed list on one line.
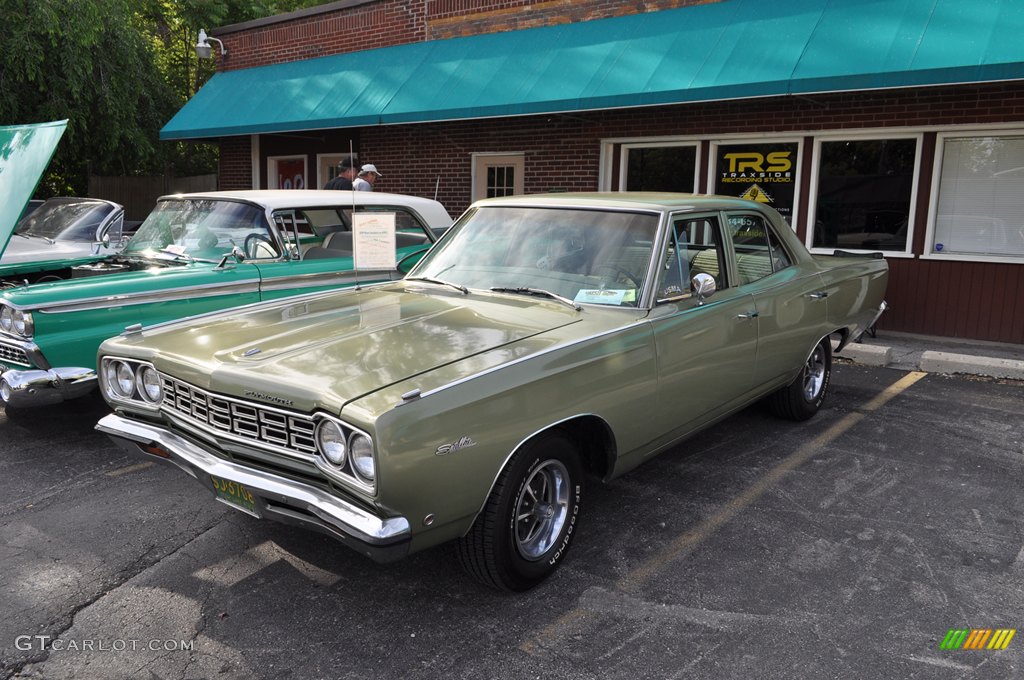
[(355, 245), (437, 186)]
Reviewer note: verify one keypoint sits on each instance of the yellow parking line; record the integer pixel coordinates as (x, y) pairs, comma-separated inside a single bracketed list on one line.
[(636, 578), (127, 470)]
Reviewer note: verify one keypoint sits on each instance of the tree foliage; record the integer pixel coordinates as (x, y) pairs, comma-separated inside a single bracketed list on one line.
[(118, 70)]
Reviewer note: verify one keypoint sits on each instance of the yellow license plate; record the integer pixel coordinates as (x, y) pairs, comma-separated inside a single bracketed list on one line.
[(235, 495)]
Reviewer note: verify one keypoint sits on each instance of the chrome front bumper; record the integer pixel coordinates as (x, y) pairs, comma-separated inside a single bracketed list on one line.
[(36, 387), (277, 498)]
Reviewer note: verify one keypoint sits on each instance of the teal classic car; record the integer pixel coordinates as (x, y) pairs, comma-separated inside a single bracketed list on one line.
[(543, 342), (193, 254)]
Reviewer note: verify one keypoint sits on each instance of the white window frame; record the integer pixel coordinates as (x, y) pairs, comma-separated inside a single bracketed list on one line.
[(272, 162), (624, 149), (325, 160), (812, 199), (480, 162), (761, 139), (933, 199)]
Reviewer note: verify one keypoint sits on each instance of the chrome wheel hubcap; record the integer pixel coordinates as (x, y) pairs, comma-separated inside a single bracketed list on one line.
[(541, 510), (814, 374)]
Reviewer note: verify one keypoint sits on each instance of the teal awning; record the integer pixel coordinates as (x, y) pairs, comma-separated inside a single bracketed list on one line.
[(720, 50)]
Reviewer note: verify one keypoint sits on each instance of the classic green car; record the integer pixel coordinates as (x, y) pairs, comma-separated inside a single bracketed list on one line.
[(193, 254), (543, 341)]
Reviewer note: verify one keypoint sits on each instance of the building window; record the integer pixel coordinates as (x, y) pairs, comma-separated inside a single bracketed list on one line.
[(765, 172), (496, 175), (659, 168), (864, 195), (979, 210)]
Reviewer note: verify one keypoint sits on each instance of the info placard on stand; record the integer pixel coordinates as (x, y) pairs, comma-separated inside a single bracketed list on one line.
[(373, 237)]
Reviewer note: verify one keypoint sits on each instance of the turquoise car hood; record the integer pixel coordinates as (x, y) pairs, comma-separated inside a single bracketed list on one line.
[(25, 151), (331, 349), (127, 287)]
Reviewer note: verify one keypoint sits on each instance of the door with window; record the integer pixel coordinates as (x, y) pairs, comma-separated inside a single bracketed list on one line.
[(497, 175), (791, 309), (706, 349)]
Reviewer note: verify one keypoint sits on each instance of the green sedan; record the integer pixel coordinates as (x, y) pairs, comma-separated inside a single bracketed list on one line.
[(545, 342)]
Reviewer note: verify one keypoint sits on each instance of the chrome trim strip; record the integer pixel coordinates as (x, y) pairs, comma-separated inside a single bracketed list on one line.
[(329, 279), (185, 293), (336, 512)]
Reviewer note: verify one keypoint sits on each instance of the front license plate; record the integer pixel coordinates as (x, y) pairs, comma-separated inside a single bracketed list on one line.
[(235, 495)]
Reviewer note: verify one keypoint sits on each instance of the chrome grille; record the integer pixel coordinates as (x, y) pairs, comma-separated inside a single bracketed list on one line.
[(287, 432), (13, 353)]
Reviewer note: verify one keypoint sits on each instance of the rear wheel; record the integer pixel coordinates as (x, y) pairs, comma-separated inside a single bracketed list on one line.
[(802, 398), (527, 525)]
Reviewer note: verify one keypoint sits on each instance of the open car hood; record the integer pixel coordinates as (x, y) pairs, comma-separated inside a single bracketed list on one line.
[(25, 151)]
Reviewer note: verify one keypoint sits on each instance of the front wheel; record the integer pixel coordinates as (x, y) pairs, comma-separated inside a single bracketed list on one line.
[(530, 518), (802, 398)]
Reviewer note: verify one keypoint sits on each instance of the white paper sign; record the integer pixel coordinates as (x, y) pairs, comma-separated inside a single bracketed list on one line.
[(373, 237)]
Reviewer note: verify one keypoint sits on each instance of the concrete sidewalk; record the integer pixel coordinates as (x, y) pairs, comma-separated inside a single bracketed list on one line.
[(938, 355)]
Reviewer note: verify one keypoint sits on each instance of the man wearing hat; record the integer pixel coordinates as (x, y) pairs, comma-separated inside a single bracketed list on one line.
[(343, 180), (367, 176)]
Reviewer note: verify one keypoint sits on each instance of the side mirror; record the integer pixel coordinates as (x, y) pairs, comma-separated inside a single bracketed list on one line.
[(236, 253), (703, 286)]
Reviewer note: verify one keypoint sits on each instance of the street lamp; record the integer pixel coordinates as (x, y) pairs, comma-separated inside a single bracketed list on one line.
[(203, 47)]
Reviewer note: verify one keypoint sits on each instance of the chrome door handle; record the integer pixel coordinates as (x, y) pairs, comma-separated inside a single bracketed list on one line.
[(820, 295), (748, 315)]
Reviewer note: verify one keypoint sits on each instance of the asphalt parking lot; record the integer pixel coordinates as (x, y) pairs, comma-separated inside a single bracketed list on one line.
[(843, 547)]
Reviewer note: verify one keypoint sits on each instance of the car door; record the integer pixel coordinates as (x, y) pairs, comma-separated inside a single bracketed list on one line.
[(789, 300), (706, 348)]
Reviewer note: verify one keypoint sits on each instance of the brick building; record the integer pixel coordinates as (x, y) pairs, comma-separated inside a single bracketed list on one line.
[(870, 124)]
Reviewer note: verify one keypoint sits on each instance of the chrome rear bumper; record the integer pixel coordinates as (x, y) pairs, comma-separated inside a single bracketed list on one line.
[(277, 498)]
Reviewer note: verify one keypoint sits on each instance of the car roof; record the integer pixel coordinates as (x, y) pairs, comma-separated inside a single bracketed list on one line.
[(624, 199), (283, 199)]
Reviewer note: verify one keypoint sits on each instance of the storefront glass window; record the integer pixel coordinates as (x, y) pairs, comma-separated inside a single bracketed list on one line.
[(864, 194), (759, 171), (662, 168), (980, 209)]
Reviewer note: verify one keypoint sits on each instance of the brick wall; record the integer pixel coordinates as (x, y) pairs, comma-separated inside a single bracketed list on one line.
[(383, 23)]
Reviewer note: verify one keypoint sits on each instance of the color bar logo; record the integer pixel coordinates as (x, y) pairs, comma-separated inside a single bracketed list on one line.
[(978, 638)]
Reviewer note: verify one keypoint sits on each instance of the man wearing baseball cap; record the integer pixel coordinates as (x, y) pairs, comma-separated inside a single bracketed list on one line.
[(346, 173), (368, 174)]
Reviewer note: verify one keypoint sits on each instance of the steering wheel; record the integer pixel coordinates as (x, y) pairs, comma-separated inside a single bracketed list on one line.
[(254, 241), (619, 270)]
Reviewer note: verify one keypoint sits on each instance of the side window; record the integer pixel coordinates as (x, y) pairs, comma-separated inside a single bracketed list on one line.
[(758, 251), (693, 248)]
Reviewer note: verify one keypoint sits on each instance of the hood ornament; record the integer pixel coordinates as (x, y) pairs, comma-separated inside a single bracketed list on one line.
[(252, 352)]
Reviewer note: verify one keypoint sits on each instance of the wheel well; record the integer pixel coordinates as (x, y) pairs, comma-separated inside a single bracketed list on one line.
[(595, 442)]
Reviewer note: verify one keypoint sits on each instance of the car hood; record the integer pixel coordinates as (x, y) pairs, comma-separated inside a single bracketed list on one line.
[(25, 152), (21, 249), (323, 351)]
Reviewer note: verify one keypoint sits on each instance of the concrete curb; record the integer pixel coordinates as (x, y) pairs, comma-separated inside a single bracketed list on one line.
[(930, 361), (948, 362)]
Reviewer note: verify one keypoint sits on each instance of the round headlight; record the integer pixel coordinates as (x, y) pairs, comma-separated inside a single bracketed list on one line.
[(6, 321), (22, 322), (330, 440), (120, 378), (362, 456), (148, 384)]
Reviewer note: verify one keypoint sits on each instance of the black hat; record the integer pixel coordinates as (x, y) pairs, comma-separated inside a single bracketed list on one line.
[(346, 162)]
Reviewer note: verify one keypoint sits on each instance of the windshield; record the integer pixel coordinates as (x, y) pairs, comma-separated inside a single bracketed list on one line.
[(65, 220), (203, 229), (588, 256)]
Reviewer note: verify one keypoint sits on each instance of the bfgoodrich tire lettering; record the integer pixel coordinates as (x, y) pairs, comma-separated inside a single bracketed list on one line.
[(802, 398), (530, 519)]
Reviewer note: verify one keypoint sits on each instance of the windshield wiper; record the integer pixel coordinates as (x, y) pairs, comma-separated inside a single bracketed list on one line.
[(30, 235), (457, 286), (540, 292)]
